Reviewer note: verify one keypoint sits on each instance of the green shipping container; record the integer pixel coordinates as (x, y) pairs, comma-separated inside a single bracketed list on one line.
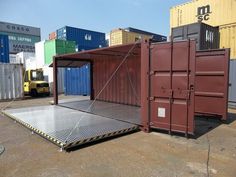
[(57, 47)]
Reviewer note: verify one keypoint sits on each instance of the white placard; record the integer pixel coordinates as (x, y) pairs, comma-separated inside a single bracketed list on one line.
[(161, 112)]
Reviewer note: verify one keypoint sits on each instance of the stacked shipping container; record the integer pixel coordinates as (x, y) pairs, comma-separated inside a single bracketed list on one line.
[(55, 47), (219, 13), (4, 49), (206, 36), (21, 37), (84, 39), (130, 35), (212, 12)]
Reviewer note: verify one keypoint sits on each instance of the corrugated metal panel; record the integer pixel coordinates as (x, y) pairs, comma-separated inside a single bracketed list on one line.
[(82, 37), (48, 76), (4, 49), (207, 37), (212, 12), (228, 38), (20, 29), (11, 81), (124, 88), (77, 80), (211, 83), (232, 81), (39, 54), (55, 47)]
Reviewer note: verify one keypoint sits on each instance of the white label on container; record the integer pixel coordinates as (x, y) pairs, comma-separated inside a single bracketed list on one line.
[(161, 112)]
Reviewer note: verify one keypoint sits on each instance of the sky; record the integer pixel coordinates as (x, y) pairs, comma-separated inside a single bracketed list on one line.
[(96, 15)]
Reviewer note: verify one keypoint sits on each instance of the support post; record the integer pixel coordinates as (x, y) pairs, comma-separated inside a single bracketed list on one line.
[(55, 90)]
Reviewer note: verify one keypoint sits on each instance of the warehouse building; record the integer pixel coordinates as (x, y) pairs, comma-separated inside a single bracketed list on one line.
[(21, 37)]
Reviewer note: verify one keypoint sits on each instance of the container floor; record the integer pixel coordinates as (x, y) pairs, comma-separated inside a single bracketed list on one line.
[(67, 127), (125, 113)]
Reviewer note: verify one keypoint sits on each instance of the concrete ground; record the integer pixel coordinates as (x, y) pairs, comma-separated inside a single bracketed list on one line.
[(135, 155)]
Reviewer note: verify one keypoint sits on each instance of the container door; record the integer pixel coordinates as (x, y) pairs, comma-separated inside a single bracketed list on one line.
[(172, 86)]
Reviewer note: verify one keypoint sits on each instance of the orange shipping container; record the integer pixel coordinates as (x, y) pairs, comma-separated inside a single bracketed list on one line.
[(53, 35)]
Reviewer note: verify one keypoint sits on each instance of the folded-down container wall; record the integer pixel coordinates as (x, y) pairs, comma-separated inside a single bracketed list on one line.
[(232, 82), (4, 49), (77, 81), (83, 38), (11, 81), (206, 36)]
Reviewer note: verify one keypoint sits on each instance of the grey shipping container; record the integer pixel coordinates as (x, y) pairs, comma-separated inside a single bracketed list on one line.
[(19, 29), (232, 82), (206, 36)]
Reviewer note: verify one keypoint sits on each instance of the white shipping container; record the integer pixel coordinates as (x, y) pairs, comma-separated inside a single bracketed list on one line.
[(11, 81), (30, 63), (20, 58), (48, 76), (39, 54)]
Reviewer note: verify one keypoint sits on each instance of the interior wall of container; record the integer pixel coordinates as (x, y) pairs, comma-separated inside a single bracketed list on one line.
[(213, 12), (77, 81), (4, 49), (11, 77), (125, 86), (232, 81), (228, 38)]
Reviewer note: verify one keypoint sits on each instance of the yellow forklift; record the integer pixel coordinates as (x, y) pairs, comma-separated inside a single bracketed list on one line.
[(34, 83)]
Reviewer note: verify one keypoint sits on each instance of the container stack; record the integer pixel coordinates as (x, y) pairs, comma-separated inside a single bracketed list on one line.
[(4, 49), (216, 13), (130, 35), (84, 39)]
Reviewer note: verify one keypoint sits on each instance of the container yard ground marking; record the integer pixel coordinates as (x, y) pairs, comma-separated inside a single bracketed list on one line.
[(105, 85)]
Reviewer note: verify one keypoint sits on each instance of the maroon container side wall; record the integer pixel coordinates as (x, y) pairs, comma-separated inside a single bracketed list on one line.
[(211, 84), (125, 86)]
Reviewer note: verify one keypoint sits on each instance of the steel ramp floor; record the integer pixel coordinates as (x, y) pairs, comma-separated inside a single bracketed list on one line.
[(56, 123), (126, 113)]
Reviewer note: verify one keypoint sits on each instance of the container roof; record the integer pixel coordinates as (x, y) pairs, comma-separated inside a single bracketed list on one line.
[(80, 58)]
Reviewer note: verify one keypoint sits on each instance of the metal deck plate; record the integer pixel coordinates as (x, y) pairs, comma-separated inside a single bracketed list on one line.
[(56, 123), (126, 113)]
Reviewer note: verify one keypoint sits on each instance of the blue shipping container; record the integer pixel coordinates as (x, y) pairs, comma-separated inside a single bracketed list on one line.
[(4, 49), (83, 38), (77, 81)]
